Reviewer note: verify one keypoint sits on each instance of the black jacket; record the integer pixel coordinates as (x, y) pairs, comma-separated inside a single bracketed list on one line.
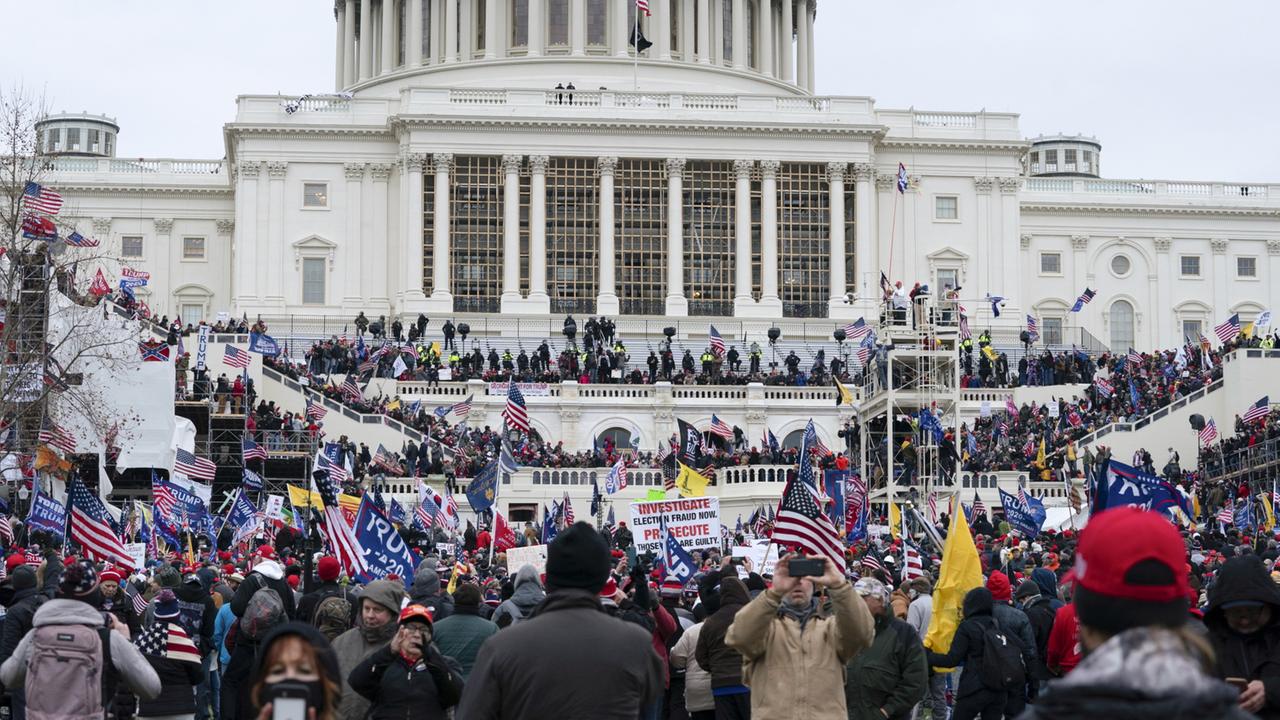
[(1255, 656), (259, 578), (178, 681), (17, 620), (1041, 613), (712, 654), (967, 645), (426, 690)]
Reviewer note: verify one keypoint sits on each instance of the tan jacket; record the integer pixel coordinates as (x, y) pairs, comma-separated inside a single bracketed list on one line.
[(796, 675)]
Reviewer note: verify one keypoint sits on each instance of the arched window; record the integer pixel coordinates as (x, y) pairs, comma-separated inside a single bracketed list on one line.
[(1121, 326), (792, 440), (620, 437)]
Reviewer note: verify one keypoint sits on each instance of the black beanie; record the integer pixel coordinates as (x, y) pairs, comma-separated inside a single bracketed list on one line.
[(1114, 615), (467, 596), (578, 558)]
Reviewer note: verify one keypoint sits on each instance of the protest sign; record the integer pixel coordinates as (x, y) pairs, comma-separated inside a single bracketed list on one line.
[(535, 555), (695, 523), (137, 551)]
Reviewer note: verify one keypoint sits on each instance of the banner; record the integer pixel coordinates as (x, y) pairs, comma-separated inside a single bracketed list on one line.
[(695, 523), (274, 508), (526, 389), (202, 347), (243, 520), (264, 344), (1026, 520), (1127, 485), (135, 274), (535, 555), (834, 482), (761, 562), (302, 498), (385, 552), (48, 515), (137, 551)]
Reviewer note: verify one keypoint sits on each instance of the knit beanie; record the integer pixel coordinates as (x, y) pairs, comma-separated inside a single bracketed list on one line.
[(328, 568), (166, 607), (466, 596), (999, 586), (168, 577), (578, 558), (78, 580), (1026, 589)]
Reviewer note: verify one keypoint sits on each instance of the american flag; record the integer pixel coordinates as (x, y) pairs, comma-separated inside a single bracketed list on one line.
[(857, 330), (1135, 358), (1103, 387), (135, 597), (1229, 328), (332, 460), (1227, 514), (568, 510), (368, 365), (717, 342), (250, 450), (979, 508), (337, 533), (462, 409), (56, 436), (1085, 298), (316, 411), (965, 334), (933, 507), (1033, 328), (820, 448), (192, 466), (37, 198), (6, 531), (802, 524), (429, 506), (643, 6), (862, 354), (1209, 432), (351, 389), (870, 560), (912, 563), (162, 498), (91, 527), (75, 239), (719, 427), (516, 414), (233, 356), (383, 458), (1010, 407), (1258, 410)]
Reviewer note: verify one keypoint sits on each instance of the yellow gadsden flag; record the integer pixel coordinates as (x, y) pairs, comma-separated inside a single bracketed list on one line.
[(304, 498), (843, 396), (691, 483), (895, 521), (961, 572), (1268, 512)]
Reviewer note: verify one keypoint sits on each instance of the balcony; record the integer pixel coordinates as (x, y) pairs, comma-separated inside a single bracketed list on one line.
[(1155, 192)]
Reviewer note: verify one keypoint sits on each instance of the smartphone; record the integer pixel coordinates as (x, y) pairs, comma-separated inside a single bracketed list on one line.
[(801, 567), (289, 701), (1238, 683)]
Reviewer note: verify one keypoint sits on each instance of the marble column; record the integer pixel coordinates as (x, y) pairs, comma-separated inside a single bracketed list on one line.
[(764, 37), (742, 298), (607, 299), (1009, 224), (367, 32), (441, 296), (537, 28), (352, 250), (864, 228), (388, 35), (450, 31), (662, 28), (802, 48), (811, 12), (465, 38), (619, 31), (414, 232), (677, 304), (704, 31), (1219, 248), (538, 232), (788, 49), (770, 302), (510, 229), (246, 239), (989, 269), (349, 44), (1273, 275), (163, 270), (339, 50), (494, 43), (276, 172), (413, 53), (578, 28), (739, 34), (378, 273), (1167, 335), (835, 231)]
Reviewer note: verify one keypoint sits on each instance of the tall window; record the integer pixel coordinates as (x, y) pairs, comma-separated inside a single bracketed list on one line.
[(428, 228), (51, 143), (573, 234), (726, 30), (192, 248), (557, 23), (427, 47), (402, 17), (313, 281), (597, 22), (675, 11), (131, 246), (1191, 330), (1121, 326), (481, 23), (192, 313), (850, 235), (710, 190), (803, 245), (73, 139), (1052, 330), (94, 136), (519, 23), (640, 235), (475, 217), (751, 35)]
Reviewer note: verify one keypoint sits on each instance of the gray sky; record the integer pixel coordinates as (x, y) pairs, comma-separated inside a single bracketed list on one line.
[(1174, 89)]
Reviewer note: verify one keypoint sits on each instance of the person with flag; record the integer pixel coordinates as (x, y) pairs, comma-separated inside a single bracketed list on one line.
[(887, 679), (795, 648), (172, 654)]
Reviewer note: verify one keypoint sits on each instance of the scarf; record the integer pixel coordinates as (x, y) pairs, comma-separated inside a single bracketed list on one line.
[(800, 615), (167, 640)]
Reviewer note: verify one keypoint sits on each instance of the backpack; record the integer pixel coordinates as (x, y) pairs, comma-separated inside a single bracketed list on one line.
[(332, 616), (1002, 667), (264, 611), (75, 659)]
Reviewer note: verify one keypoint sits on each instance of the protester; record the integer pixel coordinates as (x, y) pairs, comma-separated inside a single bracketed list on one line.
[(974, 697), (267, 573), (175, 659), (376, 625), (527, 596), (699, 701), (408, 676), (714, 655), (329, 606), (296, 657), (460, 635), (794, 650), (1040, 613), (887, 679), (426, 590), (1243, 618), (1012, 621)]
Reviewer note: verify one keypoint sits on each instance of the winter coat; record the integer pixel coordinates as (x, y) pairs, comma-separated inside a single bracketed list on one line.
[(396, 689), (712, 653), (697, 682), (527, 597), (178, 681), (1040, 613), (426, 591), (132, 668), (792, 672), (891, 675), (358, 643), (325, 590), (1016, 623), (267, 573), (1255, 656), (1064, 642), (1048, 584), (900, 601), (569, 661), (1142, 673), (26, 601), (460, 636), (198, 614), (967, 644)]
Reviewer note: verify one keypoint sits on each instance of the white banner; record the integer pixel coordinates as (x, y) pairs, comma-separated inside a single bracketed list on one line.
[(695, 523), (526, 389), (986, 408), (202, 346), (760, 562), (137, 551), (518, 557), (274, 509), (1054, 410)]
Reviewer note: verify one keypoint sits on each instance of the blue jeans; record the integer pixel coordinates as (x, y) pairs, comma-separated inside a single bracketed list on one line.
[(207, 692)]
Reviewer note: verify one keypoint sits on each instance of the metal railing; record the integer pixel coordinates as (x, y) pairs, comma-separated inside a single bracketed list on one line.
[(1130, 426)]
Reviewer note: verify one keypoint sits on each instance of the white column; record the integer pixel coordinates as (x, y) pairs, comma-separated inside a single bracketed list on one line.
[(441, 296), (864, 228), (493, 39), (717, 33), (348, 57), (450, 31), (704, 31), (436, 44), (1010, 238), (163, 281), (275, 241), (464, 31), (578, 27), (742, 300), (770, 304), (607, 299), (676, 303), (339, 54), (811, 10), (619, 29), (538, 232), (739, 34), (376, 272), (802, 47), (1273, 275), (537, 27), (764, 37), (246, 234), (1219, 248), (835, 225), (366, 39), (413, 53), (662, 33), (510, 229), (413, 231), (988, 272), (388, 35), (352, 251), (688, 38), (788, 51)]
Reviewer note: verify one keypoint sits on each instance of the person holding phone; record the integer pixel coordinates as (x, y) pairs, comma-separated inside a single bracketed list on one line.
[(794, 650), (409, 677), (295, 676), (1243, 618)]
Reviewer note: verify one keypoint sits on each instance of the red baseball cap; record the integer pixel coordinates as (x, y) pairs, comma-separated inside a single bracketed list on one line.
[(266, 551), (416, 612), (1116, 541)]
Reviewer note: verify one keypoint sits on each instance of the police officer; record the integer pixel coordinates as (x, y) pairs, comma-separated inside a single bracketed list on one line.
[(708, 362), (755, 355)]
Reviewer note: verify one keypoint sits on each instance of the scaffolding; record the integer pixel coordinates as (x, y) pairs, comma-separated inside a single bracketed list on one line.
[(914, 369)]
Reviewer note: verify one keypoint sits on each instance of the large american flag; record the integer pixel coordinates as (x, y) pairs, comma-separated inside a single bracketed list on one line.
[(1258, 410), (56, 436), (1033, 327), (568, 510), (192, 466), (91, 528), (856, 330), (717, 342), (912, 563), (351, 389), (462, 408), (38, 198), (235, 357), (383, 459), (801, 523), (429, 505), (516, 414), (1134, 359), (315, 411), (1209, 432), (721, 428), (250, 450), (162, 498), (1229, 328), (332, 459), (979, 508), (1227, 514), (337, 533)]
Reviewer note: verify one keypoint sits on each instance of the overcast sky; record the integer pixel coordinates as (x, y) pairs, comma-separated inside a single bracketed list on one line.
[(1172, 88)]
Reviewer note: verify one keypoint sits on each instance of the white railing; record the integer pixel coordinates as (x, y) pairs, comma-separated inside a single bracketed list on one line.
[(1251, 191), (1157, 188), (1050, 184), (641, 100), (138, 166), (818, 104), (946, 120), (1197, 189), (1121, 187), (711, 102), (478, 97)]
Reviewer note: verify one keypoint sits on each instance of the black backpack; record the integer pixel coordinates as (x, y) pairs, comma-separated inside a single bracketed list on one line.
[(1002, 667)]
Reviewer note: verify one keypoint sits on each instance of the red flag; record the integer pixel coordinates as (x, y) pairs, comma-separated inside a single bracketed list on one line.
[(504, 538), (99, 285)]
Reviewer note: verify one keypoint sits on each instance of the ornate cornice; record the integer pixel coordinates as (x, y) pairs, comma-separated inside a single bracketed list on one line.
[(770, 168), (624, 126), (101, 225), (380, 171), (225, 226), (1088, 209), (353, 171), (512, 163), (538, 164), (983, 184), (950, 146), (276, 169), (109, 190), (1219, 245), (606, 166), (675, 167), (164, 226)]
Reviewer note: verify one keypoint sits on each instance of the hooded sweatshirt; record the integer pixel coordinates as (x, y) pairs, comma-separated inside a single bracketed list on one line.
[(359, 642), (426, 590), (1255, 656), (527, 597), (1047, 581)]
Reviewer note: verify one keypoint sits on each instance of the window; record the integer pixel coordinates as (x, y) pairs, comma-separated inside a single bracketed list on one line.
[(1190, 265), (804, 247), (1120, 265), (1051, 161), (640, 235), (1247, 267), (946, 207), (1035, 161), (1121, 325), (1191, 330), (110, 147), (315, 195), (192, 313), (948, 278), (481, 24), (73, 139), (573, 232), (313, 281), (192, 248), (1050, 263), (476, 229), (726, 33), (94, 138), (1088, 161), (1069, 160), (557, 22), (710, 205), (131, 246), (519, 23), (597, 21), (51, 140), (1051, 329)]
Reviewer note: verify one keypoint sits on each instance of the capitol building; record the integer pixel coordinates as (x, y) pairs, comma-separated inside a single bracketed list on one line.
[(507, 162)]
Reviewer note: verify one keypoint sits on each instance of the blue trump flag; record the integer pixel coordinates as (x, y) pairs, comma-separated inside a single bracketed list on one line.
[(834, 482), (549, 524), (1244, 515), (1127, 485), (679, 562), (243, 519), (1026, 520), (483, 490), (48, 515), (397, 513), (263, 343), (385, 552)]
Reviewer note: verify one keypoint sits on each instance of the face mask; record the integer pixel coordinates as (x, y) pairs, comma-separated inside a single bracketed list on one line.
[(315, 693)]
